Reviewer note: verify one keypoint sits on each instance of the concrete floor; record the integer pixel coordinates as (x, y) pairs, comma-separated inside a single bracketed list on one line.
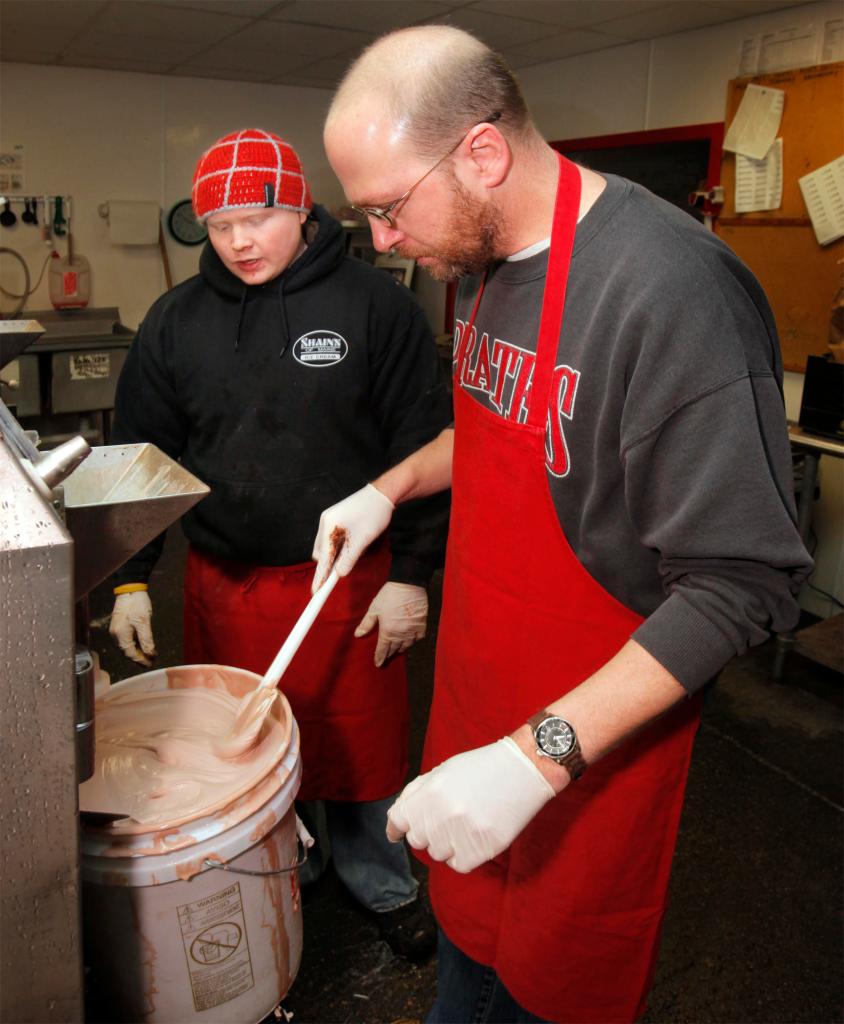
[(753, 931)]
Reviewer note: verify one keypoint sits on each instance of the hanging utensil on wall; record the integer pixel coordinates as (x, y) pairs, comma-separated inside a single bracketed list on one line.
[(7, 217), (59, 221), (46, 225)]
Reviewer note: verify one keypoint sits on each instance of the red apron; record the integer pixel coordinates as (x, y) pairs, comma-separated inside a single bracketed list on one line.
[(569, 916), (353, 717)]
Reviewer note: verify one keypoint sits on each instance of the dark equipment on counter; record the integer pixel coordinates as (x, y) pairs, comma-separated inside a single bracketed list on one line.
[(822, 405)]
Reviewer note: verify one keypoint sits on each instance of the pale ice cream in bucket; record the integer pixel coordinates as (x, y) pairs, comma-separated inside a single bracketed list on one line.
[(191, 905)]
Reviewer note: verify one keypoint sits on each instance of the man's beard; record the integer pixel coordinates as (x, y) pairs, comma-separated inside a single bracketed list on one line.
[(472, 243)]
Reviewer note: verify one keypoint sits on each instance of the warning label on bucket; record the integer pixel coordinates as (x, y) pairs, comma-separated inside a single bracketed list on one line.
[(216, 947)]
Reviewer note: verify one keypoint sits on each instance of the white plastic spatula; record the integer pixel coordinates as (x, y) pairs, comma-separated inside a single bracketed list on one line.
[(96, 797), (255, 708)]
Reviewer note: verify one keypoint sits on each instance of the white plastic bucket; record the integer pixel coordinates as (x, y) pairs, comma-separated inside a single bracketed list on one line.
[(172, 938)]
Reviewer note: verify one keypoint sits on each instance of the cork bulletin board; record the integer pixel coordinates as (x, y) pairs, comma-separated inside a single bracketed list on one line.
[(800, 277)]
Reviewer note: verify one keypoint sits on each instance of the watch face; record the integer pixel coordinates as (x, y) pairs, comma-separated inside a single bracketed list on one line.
[(556, 737)]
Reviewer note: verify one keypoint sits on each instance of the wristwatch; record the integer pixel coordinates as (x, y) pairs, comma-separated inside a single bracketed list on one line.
[(556, 738)]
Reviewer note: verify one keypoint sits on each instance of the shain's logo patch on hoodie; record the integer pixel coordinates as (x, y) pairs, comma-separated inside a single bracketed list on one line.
[(320, 348)]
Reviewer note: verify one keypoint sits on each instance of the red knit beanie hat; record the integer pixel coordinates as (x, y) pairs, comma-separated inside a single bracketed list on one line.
[(249, 168)]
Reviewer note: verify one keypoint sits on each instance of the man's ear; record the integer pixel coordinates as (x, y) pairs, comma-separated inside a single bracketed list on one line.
[(487, 155)]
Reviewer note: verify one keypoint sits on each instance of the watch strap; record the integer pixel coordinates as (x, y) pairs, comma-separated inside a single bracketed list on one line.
[(536, 720), (573, 761)]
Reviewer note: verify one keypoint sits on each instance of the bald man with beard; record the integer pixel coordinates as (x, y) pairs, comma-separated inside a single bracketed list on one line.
[(622, 525)]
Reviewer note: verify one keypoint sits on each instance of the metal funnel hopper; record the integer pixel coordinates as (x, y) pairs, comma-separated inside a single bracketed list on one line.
[(119, 499), (15, 337)]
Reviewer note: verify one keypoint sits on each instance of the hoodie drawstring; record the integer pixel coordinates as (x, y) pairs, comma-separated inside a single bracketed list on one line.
[(240, 319), (282, 308), (285, 330)]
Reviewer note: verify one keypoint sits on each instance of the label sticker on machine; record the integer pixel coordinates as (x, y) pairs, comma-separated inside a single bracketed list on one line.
[(90, 365), (216, 948)]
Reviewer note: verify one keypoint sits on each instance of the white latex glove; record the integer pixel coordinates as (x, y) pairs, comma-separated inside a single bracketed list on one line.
[(131, 621), (347, 529), (470, 808), (401, 612)]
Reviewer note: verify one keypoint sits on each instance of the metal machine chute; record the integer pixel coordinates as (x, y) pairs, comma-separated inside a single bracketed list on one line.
[(68, 518)]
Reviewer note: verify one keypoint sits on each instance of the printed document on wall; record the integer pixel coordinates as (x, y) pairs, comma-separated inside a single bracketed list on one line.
[(793, 47), (823, 194), (757, 121), (833, 41), (759, 182)]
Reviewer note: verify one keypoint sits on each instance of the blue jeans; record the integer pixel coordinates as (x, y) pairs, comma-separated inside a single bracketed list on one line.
[(469, 993), (375, 871)]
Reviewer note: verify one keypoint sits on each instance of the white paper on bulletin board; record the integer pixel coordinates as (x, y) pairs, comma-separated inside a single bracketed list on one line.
[(756, 123), (823, 193), (759, 182)]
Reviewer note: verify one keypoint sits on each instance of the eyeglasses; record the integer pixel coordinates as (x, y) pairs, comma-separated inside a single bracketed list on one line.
[(389, 211)]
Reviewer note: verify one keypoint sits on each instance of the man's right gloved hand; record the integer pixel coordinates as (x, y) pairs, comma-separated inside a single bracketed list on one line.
[(347, 529), (131, 626)]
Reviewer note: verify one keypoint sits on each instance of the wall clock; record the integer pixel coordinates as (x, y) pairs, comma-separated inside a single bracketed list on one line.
[(184, 226)]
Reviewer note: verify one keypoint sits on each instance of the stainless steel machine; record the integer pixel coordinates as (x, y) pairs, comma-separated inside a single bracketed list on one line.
[(68, 518), (63, 384)]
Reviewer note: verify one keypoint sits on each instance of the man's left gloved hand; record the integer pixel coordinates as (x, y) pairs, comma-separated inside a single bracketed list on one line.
[(401, 612), (471, 807)]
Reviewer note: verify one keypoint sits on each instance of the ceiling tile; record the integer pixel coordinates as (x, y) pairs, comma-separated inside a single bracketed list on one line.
[(242, 8), (303, 81), (311, 40), (682, 17), (292, 39), (127, 47), (47, 15), (160, 21), (568, 13), (152, 67), (732, 9), (375, 16), (330, 68), (496, 30), (230, 75), (42, 26), (566, 44), (254, 62)]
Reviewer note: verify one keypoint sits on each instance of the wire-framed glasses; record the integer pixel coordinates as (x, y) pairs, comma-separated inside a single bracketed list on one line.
[(389, 211)]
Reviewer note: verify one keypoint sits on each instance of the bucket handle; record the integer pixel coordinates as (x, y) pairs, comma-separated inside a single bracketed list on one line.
[(301, 857)]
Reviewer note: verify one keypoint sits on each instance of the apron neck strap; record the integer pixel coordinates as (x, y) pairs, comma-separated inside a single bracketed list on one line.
[(566, 208)]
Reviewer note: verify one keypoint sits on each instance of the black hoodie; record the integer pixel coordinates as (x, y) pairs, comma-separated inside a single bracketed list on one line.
[(284, 398)]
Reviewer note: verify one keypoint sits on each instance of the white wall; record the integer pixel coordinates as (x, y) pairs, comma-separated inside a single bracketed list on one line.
[(99, 135), (103, 134)]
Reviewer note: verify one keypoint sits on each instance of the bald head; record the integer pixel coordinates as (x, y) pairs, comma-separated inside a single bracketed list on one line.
[(430, 137), (430, 83)]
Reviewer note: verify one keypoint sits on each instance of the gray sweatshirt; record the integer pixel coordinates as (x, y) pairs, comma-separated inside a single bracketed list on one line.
[(667, 453)]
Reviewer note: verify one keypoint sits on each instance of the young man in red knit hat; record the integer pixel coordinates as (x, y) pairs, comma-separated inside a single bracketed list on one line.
[(284, 375)]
